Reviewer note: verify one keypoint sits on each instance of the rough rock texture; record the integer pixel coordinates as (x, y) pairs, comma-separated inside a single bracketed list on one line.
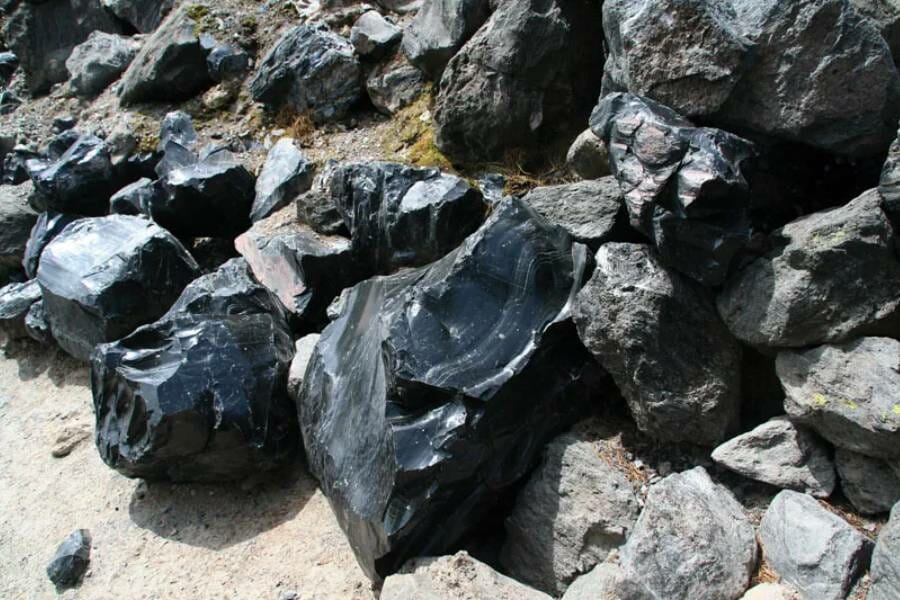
[(47, 227), (310, 70), (459, 401), (103, 277), (606, 581), (16, 221), (869, 483), (36, 325), (886, 560), (439, 30), (683, 185), (530, 72), (372, 35), (588, 156), (136, 198), (658, 335), (811, 548), (42, 34), (889, 186), (303, 351), (830, 276), (285, 175), (71, 560), (99, 61), (171, 65), (575, 509), (456, 577), (15, 301), (394, 84), (592, 211), (782, 454), (143, 15), (200, 395), (848, 393), (80, 181), (692, 540), (885, 16)]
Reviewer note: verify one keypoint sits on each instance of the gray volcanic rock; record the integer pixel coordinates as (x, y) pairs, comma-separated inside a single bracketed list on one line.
[(372, 35), (227, 63), (394, 84), (848, 393), (43, 34), (886, 560), (466, 367), (869, 483), (692, 540), (885, 16), (592, 211), (16, 300), (16, 221), (782, 454), (683, 185), (312, 71), (71, 560), (439, 30), (830, 276), (658, 335), (171, 65), (811, 548), (136, 198), (47, 227), (588, 156), (103, 277), (36, 324), (575, 509), (889, 186), (607, 581), (143, 15), (80, 182), (99, 61), (200, 395), (303, 352), (285, 175)]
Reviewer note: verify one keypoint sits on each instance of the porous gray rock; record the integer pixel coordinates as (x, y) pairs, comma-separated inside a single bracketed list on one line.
[(575, 509), (848, 393), (311, 71), (811, 548), (285, 175), (886, 560), (592, 211), (588, 157), (143, 15), (17, 218), (606, 581), (79, 182), (99, 61), (394, 84), (684, 186), (692, 540), (303, 351), (830, 276), (889, 186), (16, 300), (869, 483), (372, 35), (439, 30), (782, 454), (658, 335), (71, 560)]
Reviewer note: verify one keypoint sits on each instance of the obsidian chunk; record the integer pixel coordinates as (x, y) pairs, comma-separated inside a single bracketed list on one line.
[(80, 181)]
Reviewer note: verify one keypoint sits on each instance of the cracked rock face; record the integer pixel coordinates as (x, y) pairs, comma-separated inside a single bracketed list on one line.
[(200, 395), (458, 403), (103, 277)]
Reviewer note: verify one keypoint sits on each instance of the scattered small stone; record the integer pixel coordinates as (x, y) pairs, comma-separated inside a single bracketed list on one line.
[(71, 561)]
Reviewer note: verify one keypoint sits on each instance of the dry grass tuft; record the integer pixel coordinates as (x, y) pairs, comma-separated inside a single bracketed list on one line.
[(298, 126)]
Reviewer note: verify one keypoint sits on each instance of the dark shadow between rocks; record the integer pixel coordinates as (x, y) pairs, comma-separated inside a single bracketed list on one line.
[(34, 360), (217, 516)]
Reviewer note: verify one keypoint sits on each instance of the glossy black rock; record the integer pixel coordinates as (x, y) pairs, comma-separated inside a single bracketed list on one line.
[(80, 181), (451, 378), (71, 560), (200, 395), (15, 301), (48, 226)]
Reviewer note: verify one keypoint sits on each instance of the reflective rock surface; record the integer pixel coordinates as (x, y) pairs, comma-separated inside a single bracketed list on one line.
[(80, 181), (47, 227), (15, 301)]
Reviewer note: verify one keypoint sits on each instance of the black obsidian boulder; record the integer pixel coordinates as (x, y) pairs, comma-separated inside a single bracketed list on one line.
[(71, 560), (80, 181), (436, 388), (200, 395), (683, 185), (135, 198), (103, 277), (48, 226)]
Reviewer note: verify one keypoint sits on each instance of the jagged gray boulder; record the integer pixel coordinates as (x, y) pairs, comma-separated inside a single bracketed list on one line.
[(885, 16), (692, 540), (848, 393), (889, 186), (684, 186), (285, 175), (588, 157), (658, 335), (575, 509), (311, 71), (16, 300), (17, 218), (886, 560), (303, 352), (811, 548), (439, 30), (592, 211), (372, 35), (870, 484), (171, 65), (394, 84), (830, 276), (99, 61), (80, 181), (143, 15), (782, 454)]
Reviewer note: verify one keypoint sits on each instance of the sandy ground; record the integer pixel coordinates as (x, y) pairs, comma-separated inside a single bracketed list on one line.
[(150, 540)]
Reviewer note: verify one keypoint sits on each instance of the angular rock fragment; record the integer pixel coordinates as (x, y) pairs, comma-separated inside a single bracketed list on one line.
[(575, 509), (71, 561), (80, 182), (177, 127), (310, 71), (588, 157), (285, 175), (47, 227), (16, 220), (14, 165), (303, 351), (454, 577), (692, 540), (372, 35), (592, 211), (36, 325), (171, 66), (143, 15), (439, 30), (889, 186), (886, 560), (683, 185), (458, 402), (99, 61), (885, 16), (830, 276), (848, 393), (394, 84), (226, 63), (316, 207), (658, 335), (103, 277), (869, 483), (136, 198), (9, 62), (200, 395), (9, 102), (811, 548), (15, 301), (782, 454)]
